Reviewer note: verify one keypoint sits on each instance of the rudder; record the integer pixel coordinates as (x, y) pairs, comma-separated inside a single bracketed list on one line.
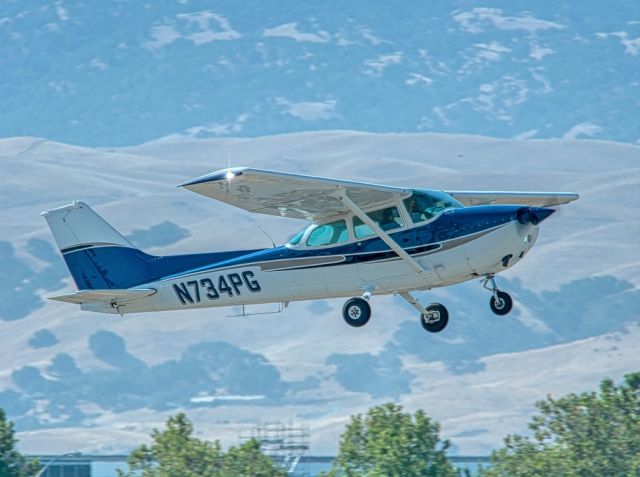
[(90, 246)]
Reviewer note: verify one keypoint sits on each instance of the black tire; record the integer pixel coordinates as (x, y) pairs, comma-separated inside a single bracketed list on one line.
[(356, 312), (502, 305), (437, 318)]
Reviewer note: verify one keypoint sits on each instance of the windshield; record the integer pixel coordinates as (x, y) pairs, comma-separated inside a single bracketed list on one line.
[(425, 205)]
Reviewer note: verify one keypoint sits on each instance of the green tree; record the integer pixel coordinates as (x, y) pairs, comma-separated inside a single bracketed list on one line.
[(387, 442), (592, 434), (12, 463), (176, 452), (247, 460)]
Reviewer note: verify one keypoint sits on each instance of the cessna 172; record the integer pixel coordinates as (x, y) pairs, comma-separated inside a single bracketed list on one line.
[(364, 240)]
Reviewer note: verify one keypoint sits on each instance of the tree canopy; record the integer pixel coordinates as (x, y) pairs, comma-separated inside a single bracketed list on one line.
[(387, 442), (591, 434), (12, 463), (175, 451)]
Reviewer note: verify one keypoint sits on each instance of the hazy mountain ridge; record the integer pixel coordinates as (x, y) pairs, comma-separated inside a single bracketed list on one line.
[(123, 72), (307, 363)]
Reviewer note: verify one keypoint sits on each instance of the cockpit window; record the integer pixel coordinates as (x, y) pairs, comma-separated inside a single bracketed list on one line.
[(327, 234), (387, 219), (423, 206)]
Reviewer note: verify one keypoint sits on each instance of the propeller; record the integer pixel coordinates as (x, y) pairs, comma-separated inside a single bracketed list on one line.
[(533, 215)]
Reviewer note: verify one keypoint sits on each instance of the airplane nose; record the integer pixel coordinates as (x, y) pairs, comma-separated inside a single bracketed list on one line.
[(533, 215)]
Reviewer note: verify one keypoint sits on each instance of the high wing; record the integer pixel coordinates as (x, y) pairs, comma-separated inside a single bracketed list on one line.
[(316, 198), (290, 195), (535, 199), (105, 296)]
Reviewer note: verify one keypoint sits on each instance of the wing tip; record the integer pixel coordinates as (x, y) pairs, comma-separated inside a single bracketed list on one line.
[(223, 174)]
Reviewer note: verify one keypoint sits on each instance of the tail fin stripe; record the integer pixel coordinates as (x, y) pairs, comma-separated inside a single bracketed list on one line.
[(84, 246)]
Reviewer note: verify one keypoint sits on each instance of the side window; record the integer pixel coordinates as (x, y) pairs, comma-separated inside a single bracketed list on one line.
[(327, 234), (386, 219)]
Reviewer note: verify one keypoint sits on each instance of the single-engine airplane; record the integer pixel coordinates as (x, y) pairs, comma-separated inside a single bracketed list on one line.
[(364, 240)]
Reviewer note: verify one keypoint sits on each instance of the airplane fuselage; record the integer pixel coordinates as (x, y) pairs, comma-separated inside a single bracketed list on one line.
[(457, 245)]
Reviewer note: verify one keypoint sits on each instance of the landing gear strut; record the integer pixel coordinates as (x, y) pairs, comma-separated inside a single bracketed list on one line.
[(501, 302), (434, 317)]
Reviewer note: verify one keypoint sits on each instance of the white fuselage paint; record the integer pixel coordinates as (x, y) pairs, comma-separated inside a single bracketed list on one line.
[(478, 256)]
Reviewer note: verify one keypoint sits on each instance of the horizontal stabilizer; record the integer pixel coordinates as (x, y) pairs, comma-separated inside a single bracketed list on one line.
[(105, 296)]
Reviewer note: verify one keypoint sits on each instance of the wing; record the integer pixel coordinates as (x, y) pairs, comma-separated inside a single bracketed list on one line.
[(536, 199), (290, 195), (105, 296)]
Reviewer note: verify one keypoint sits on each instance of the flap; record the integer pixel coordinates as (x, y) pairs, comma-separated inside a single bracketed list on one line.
[(534, 199)]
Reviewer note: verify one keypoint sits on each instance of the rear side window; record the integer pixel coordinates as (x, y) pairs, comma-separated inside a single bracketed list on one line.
[(387, 219), (296, 239), (327, 234)]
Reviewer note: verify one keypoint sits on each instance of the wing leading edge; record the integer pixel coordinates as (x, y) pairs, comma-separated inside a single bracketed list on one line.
[(316, 198), (290, 195)]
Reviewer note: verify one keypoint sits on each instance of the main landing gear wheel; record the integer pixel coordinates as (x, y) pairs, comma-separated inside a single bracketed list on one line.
[(356, 312), (501, 303), (436, 318)]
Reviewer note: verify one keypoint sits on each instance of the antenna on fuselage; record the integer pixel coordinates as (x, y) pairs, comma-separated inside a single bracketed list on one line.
[(268, 236)]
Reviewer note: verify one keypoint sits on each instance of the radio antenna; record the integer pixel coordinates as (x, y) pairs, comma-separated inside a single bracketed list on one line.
[(268, 236)]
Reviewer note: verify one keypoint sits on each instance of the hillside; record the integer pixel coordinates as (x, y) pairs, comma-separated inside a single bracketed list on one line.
[(73, 380), (121, 72)]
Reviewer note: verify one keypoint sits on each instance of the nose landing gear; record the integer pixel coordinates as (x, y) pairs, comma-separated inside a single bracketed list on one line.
[(501, 302)]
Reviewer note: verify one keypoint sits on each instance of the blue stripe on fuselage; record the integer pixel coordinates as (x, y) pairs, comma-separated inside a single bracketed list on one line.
[(123, 267), (453, 223)]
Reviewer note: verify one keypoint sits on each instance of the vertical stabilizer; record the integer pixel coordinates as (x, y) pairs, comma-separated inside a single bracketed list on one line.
[(97, 255), (77, 225), (100, 258)]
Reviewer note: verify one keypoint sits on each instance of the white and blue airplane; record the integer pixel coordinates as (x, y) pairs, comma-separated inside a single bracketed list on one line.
[(364, 240)]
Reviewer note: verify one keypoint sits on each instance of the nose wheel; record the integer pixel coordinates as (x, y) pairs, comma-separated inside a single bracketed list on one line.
[(501, 302)]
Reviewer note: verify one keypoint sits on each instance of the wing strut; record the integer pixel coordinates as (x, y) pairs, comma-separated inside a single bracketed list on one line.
[(349, 204)]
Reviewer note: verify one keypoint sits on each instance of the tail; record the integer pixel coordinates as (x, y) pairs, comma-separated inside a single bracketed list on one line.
[(97, 255), (100, 258)]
